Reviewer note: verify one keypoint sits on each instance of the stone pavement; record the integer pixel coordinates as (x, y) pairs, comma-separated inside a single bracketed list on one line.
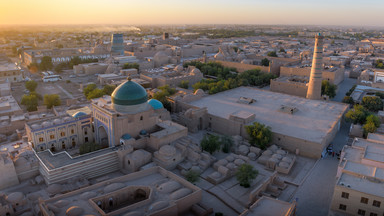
[(344, 87), (315, 193)]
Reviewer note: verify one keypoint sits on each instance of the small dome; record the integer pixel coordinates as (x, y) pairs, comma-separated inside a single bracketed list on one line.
[(57, 121), (179, 68), (155, 104), (195, 71), (129, 93), (15, 197), (143, 132), (167, 150), (74, 211), (199, 92), (46, 124), (180, 193), (61, 203), (169, 187), (219, 56), (54, 189), (88, 195), (78, 114), (126, 136), (35, 126)]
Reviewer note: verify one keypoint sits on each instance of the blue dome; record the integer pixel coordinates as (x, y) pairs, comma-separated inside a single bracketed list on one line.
[(126, 136), (155, 104), (143, 132), (79, 114), (129, 93)]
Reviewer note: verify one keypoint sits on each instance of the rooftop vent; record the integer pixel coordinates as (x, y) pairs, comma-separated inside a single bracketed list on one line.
[(245, 100), (288, 109)]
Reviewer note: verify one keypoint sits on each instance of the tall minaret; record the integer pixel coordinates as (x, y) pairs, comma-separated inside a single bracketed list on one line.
[(314, 86)]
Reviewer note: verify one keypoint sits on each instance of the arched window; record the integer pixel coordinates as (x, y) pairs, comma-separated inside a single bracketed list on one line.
[(141, 118), (111, 202)]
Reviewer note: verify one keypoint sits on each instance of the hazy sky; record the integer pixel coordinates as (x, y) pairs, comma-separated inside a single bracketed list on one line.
[(320, 12)]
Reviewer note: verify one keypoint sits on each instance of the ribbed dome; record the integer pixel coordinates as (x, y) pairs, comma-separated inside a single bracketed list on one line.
[(79, 114), (155, 104), (129, 93)]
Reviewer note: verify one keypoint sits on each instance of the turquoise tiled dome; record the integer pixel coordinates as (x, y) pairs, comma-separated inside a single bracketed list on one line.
[(129, 93), (155, 104)]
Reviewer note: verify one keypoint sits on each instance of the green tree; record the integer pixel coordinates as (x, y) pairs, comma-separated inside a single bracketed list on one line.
[(31, 85), (328, 89), (372, 103), (348, 100), (131, 65), (192, 176), (30, 101), (380, 95), (245, 174), (210, 143), (51, 100), (227, 143), (350, 90), (95, 93), (272, 54), (260, 134), (108, 89), (46, 63), (357, 115), (165, 91), (184, 84), (282, 50), (265, 62), (88, 89), (374, 119), (369, 127)]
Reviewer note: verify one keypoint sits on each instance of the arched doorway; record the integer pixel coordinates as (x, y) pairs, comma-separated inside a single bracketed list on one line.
[(103, 137)]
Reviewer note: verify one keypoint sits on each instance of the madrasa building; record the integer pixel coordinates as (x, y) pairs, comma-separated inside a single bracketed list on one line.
[(126, 126)]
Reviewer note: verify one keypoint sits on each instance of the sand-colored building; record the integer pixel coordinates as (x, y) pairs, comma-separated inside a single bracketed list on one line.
[(359, 188), (172, 77), (298, 124), (154, 191), (267, 206)]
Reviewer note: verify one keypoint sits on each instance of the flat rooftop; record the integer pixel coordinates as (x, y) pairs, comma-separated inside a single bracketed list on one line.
[(155, 178), (8, 104), (8, 67), (364, 185), (267, 206), (61, 159), (312, 122)]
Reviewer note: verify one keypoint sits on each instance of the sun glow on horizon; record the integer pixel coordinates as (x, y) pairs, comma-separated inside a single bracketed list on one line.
[(342, 12)]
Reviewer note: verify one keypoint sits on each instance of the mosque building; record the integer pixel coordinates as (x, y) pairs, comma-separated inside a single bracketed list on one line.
[(128, 128)]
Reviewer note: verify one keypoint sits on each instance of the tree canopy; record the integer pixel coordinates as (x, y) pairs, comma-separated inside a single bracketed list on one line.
[(46, 63), (357, 115), (210, 143), (328, 89), (272, 54), (260, 134), (51, 100), (30, 101), (91, 91), (265, 62), (131, 65), (184, 84), (372, 103), (31, 85), (245, 174)]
